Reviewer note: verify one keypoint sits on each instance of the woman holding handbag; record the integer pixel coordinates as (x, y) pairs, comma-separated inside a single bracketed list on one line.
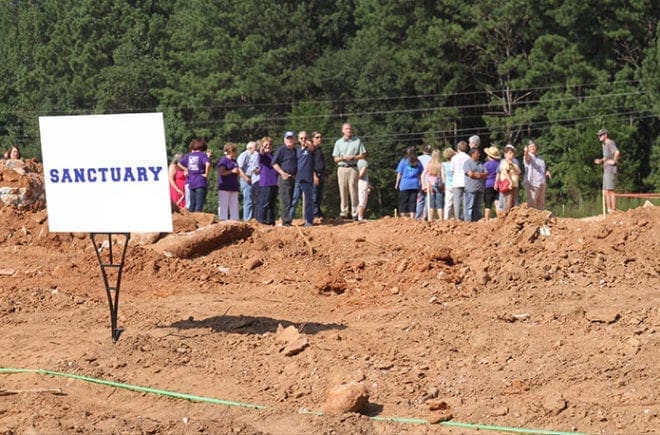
[(507, 181), (435, 186)]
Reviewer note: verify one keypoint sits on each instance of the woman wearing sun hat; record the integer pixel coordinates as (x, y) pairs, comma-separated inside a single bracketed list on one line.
[(491, 165)]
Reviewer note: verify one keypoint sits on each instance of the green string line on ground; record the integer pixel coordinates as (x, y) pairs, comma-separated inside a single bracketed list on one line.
[(196, 398)]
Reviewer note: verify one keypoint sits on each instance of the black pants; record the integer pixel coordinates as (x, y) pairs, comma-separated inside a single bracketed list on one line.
[(286, 194), (407, 201)]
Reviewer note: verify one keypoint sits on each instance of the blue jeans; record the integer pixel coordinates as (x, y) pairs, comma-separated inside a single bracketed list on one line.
[(473, 205), (305, 188), (437, 198), (197, 198), (267, 204), (248, 205), (420, 210)]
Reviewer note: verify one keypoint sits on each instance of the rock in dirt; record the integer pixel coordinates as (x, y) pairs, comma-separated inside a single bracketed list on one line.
[(554, 404), (603, 315), (253, 263), (351, 397), (500, 411), (7, 272), (330, 282), (203, 240), (441, 411), (294, 341)]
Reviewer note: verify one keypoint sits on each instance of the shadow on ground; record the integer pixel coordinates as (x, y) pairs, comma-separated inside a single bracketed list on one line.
[(252, 325)]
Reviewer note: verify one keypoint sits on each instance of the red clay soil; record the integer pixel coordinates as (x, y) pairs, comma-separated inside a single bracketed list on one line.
[(528, 321)]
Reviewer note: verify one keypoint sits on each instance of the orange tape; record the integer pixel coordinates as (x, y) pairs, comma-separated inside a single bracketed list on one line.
[(639, 195)]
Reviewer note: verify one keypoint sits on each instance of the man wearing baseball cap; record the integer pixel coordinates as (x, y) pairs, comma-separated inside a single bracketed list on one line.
[(285, 162), (609, 161)]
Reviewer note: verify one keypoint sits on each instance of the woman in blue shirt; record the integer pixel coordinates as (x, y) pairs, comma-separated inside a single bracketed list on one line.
[(408, 174)]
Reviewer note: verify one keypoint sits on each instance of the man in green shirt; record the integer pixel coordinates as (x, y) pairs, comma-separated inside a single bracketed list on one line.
[(347, 151)]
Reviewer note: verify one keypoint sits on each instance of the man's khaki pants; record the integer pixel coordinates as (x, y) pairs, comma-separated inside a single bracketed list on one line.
[(347, 178), (535, 196)]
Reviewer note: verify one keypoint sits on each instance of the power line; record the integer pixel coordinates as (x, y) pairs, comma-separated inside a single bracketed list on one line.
[(487, 92), (418, 110)]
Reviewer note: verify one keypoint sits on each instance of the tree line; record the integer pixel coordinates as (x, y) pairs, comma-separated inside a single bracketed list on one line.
[(402, 72)]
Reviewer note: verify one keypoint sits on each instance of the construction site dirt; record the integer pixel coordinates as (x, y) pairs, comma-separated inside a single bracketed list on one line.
[(528, 321)]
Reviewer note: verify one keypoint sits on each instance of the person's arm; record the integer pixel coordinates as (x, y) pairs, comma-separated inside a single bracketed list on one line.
[(222, 170), (613, 161), (279, 170), (171, 173), (243, 175), (398, 179), (526, 156), (336, 156), (207, 168)]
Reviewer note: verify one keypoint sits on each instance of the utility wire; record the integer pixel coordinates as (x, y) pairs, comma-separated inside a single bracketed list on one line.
[(487, 92)]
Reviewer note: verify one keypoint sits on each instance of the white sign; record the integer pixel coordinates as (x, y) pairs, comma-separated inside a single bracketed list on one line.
[(106, 173)]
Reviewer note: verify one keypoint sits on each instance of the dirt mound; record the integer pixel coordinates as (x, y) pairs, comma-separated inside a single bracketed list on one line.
[(22, 185), (526, 321)]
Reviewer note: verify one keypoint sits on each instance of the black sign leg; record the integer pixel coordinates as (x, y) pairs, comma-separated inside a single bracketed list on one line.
[(111, 270)]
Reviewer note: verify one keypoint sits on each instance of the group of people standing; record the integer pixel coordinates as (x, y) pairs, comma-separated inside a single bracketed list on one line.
[(466, 185), (291, 173)]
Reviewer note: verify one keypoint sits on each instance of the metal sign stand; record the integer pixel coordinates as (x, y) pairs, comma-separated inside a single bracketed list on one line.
[(111, 269)]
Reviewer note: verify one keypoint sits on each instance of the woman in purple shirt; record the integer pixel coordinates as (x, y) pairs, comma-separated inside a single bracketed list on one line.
[(197, 164), (228, 185), (267, 183)]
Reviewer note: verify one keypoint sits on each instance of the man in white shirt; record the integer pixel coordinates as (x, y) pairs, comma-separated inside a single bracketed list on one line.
[(458, 174)]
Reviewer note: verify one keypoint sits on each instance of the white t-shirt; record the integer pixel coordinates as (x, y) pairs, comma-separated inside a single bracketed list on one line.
[(424, 159), (457, 169)]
